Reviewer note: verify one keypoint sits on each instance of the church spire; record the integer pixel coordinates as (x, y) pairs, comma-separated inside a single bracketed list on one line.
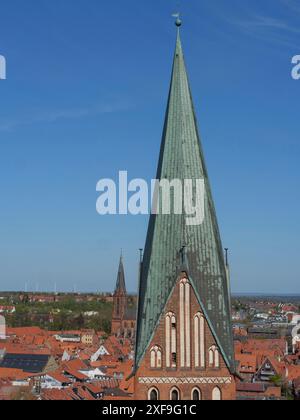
[(121, 285), (181, 157)]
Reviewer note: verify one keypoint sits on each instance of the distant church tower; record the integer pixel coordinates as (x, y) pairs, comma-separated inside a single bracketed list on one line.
[(124, 308), (184, 344), (119, 301)]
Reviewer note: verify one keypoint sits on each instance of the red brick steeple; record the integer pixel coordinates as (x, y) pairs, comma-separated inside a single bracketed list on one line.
[(184, 344), (120, 301)]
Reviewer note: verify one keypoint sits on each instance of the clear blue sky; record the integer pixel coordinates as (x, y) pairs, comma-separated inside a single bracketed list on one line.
[(85, 97)]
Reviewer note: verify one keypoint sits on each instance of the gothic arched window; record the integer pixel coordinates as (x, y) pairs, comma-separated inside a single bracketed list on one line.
[(185, 323), (153, 395), (196, 394), (156, 357), (171, 340), (199, 340), (217, 395), (214, 357), (175, 394)]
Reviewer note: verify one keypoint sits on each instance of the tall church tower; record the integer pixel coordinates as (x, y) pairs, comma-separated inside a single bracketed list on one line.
[(184, 344), (119, 301)]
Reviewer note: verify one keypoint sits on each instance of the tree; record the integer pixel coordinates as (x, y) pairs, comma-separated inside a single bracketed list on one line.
[(285, 389)]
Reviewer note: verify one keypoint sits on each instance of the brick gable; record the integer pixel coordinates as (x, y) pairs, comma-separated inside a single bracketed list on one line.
[(185, 379)]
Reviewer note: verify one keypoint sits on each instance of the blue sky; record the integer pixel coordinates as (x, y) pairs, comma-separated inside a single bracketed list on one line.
[(85, 97)]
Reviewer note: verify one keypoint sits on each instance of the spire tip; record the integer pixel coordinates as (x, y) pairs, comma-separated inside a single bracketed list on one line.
[(178, 21)]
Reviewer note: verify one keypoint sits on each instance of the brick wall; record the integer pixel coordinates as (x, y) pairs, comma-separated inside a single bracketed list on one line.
[(141, 390)]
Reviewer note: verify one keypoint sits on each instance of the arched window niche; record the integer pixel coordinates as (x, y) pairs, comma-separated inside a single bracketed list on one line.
[(199, 341), (175, 394), (153, 394), (171, 340), (156, 357), (217, 394), (214, 357), (196, 395)]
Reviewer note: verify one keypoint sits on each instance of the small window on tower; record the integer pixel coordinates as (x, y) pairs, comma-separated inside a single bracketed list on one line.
[(173, 321), (159, 359), (214, 357), (174, 359), (153, 395), (156, 357), (175, 396), (118, 306), (196, 395)]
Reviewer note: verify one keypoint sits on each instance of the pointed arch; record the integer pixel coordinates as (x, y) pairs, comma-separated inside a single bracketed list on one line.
[(211, 357), (153, 394), (171, 340), (214, 357), (159, 359), (217, 394), (196, 394), (217, 358), (199, 340), (152, 358), (175, 394), (185, 322), (156, 357)]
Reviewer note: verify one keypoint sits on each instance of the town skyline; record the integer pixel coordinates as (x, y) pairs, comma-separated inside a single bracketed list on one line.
[(60, 147), (204, 305)]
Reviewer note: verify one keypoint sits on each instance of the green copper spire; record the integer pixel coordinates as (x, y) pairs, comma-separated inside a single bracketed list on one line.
[(171, 244)]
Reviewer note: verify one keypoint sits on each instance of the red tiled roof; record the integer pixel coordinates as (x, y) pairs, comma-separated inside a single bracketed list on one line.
[(76, 374), (279, 367), (247, 363), (250, 387), (25, 349), (58, 376), (85, 395), (293, 372), (23, 331), (76, 364), (57, 395), (263, 345), (13, 374)]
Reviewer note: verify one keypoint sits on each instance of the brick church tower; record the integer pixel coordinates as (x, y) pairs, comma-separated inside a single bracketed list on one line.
[(124, 308), (120, 301), (184, 343)]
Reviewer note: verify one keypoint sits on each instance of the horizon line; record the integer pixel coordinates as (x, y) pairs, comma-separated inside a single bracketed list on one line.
[(237, 294)]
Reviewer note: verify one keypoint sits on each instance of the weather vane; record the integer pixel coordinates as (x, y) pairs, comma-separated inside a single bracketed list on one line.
[(178, 21)]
